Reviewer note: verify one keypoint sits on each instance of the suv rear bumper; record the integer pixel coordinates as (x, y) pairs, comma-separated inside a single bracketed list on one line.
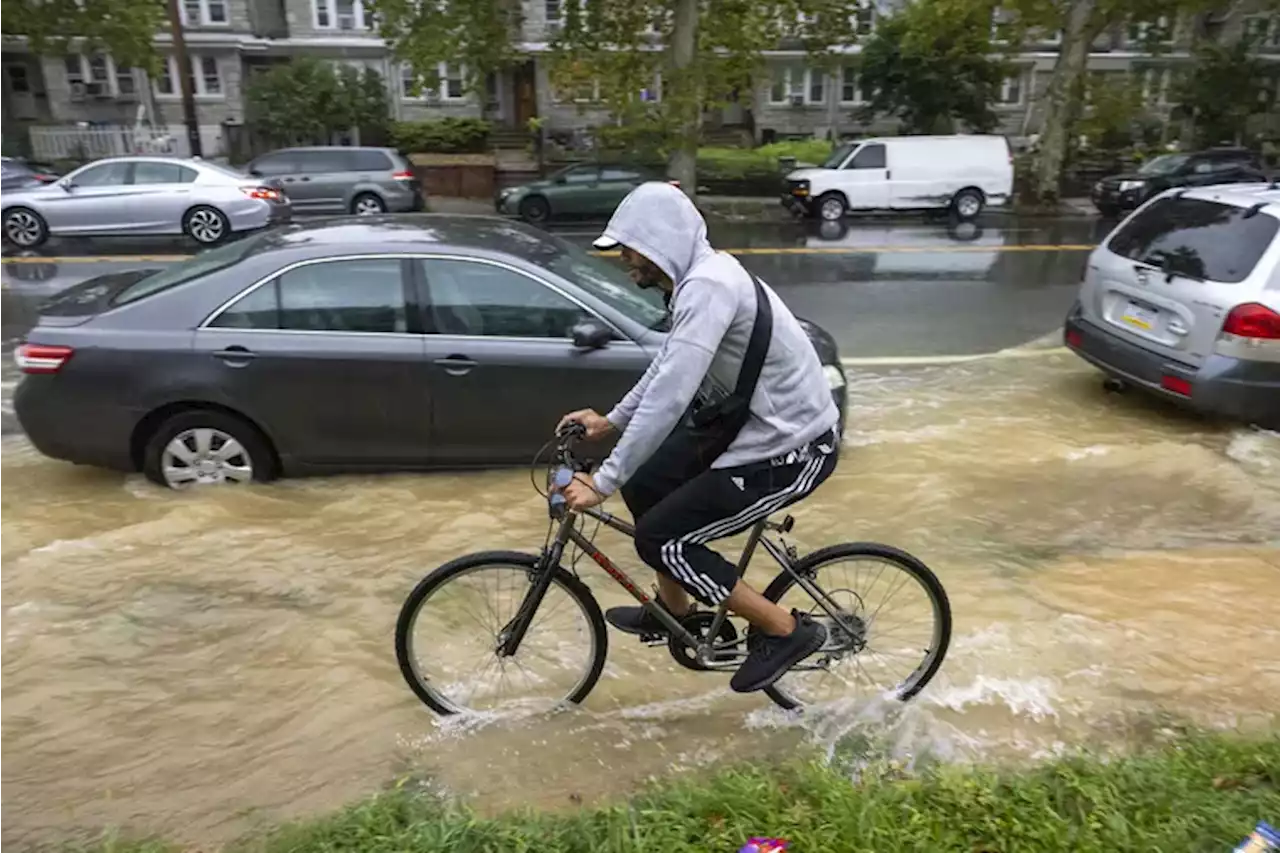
[(1234, 388)]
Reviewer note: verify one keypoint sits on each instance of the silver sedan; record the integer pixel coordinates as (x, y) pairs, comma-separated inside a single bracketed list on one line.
[(124, 196)]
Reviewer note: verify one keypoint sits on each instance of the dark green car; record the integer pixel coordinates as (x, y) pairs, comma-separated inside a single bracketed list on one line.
[(584, 190)]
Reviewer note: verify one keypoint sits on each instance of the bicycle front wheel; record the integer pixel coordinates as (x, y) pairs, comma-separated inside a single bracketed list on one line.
[(453, 623), (893, 629)]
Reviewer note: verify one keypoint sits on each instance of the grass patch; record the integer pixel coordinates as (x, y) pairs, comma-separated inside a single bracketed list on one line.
[(1203, 792)]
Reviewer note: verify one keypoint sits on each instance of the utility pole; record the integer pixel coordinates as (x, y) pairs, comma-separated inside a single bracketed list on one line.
[(185, 79), (682, 164)]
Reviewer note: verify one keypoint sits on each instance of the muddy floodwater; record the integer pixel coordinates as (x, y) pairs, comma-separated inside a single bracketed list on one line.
[(194, 665)]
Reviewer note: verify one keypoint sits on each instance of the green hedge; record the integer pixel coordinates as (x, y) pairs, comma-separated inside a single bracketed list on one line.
[(444, 136)]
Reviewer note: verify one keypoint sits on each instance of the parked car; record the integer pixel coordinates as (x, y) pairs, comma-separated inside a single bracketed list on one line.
[(1122, 193), (1183, 299), (123, 196), (339, 179), (387, 343), (961, 174), (584, 190), (18, 173)]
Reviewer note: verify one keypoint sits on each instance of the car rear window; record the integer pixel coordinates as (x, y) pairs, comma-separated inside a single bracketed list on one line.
[(369, 161), (1196, 238)]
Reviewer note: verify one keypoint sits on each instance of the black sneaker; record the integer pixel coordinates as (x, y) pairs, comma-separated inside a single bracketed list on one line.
[(638, 620), (768, 657)]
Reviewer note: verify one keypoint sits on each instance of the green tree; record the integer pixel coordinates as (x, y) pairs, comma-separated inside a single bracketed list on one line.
[(124, 28), (1225, 87), (308, 101), (698, 55), (1110, 112), (482, 36), (933, 65)]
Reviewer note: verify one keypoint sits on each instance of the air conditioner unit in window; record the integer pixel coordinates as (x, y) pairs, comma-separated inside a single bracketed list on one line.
[(77, 91), (97, 90), (346, 22), (797, 100)]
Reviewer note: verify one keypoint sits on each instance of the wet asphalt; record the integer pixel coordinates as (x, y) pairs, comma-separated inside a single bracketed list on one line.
[(884, 289)]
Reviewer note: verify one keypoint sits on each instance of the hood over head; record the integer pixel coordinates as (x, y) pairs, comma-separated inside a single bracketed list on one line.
[(660, 222)]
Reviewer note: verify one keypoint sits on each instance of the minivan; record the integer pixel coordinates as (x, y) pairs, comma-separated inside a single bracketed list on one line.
[(1183, 300), (961, 174), (341, 179)]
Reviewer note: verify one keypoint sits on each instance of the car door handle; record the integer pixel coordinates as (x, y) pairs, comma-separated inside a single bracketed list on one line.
[(304, 180), (456, 365), (235, 356)]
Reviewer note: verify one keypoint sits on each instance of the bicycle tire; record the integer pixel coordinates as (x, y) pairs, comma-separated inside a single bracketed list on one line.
[(470, 562), (908, 563)]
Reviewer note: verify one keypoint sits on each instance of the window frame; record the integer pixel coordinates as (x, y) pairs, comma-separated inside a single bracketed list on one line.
[(330, 8), (789, 87), (206, 20), (414, 310), (199, 90), (859, 97), (424, 300), (114, 73), (440, 93), (1018, 80)]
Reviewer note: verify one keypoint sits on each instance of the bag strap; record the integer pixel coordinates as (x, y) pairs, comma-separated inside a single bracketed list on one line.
[(757, 345)]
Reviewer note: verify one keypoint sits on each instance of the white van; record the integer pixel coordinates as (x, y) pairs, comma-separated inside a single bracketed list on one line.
[(962, 174)]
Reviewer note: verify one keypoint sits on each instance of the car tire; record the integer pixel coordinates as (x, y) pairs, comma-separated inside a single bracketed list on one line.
[(831, 207), (192, 427), (967, 204), (535, 209), (368, 204), (207, 225), (25, 228)]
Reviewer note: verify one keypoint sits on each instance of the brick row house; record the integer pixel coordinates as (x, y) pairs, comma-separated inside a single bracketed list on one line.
[(228, 40)]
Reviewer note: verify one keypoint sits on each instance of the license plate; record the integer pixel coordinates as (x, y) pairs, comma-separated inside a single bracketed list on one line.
[(1140, 316)]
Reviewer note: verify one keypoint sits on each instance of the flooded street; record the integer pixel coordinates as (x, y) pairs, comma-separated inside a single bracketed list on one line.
[(193, 665)]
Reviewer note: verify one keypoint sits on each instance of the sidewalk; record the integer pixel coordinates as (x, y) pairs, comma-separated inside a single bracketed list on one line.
[(762, 209)]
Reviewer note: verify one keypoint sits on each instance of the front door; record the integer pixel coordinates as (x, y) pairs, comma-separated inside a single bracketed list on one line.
[(329, 358), (526, 100), (504, 367), (93, 200), (865, 178)]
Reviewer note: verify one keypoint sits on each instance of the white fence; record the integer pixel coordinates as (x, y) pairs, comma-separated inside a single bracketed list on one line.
[(91, 143)]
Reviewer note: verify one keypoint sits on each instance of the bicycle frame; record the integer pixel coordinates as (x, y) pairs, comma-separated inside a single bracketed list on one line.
[(706, 649)]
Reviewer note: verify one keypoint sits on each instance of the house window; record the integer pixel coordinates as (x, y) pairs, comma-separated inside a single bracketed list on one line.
[(864, 18), (452, 84), (1011, 90), (850, 87), (792, 84), (206, 77), (1262, 30), (75, 69), (98, 71), (198, 13), (339, 14), (1155, 86), (1146, 32), (19, 79), (554, 11), (126, 84)]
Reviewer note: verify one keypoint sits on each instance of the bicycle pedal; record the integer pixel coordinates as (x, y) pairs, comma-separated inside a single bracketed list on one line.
[(653, 639)]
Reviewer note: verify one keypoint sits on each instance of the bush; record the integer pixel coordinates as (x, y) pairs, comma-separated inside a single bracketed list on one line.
[(445, 136)]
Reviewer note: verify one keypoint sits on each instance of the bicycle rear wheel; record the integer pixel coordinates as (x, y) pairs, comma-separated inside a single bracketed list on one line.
[(451, 625), (879, 656)]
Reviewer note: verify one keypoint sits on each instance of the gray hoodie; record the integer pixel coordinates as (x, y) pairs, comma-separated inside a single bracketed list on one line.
[(713, 309)]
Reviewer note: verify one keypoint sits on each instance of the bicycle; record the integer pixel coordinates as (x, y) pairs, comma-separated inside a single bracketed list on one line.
[(703, 641)]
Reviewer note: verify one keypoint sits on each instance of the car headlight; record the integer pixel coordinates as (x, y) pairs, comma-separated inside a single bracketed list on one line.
[(835, 376), (1127, 186)]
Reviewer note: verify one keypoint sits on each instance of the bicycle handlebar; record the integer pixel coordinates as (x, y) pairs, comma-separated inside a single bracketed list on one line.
[(566, 466)]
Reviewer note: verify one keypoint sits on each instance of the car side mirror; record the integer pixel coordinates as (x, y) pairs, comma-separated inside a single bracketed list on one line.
[(562, 180), (255, 172), (67, 184), (591, 334)]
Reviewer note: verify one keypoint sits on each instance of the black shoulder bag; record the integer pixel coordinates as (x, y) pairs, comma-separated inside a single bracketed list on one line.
[(715, 425)]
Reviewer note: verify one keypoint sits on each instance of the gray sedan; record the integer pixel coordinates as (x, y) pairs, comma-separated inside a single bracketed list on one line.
[(380, 343), (124, 196)]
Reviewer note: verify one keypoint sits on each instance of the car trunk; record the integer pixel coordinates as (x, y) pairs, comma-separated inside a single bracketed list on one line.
[(82, 302), (1167, 278)]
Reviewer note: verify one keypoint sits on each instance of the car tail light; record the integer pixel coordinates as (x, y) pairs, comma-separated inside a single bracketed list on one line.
[(674, 183), (1176, 384), (1074, 338), (1252, 320), (41, 358), (405, 175), (264, 193)]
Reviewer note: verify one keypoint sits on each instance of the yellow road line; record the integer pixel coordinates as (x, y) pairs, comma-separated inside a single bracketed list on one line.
[(752, 250)]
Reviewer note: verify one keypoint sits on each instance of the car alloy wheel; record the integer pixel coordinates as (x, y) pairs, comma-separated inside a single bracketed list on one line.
[(205, 456), (23, 228), (206, 225), (367, 205)]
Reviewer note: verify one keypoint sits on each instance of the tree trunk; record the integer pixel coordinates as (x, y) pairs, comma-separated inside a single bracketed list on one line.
[(683, 163), (1064, 89)]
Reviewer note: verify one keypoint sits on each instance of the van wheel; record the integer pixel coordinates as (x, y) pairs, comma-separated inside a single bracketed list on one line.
[(967, 203), (367, 204), (206, 448), (832, 207)]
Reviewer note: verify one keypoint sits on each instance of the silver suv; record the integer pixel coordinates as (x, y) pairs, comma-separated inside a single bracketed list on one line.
[(1183, 299), (338, 179)]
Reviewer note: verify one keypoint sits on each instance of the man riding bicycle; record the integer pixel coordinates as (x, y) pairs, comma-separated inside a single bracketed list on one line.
[(732, 421)]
